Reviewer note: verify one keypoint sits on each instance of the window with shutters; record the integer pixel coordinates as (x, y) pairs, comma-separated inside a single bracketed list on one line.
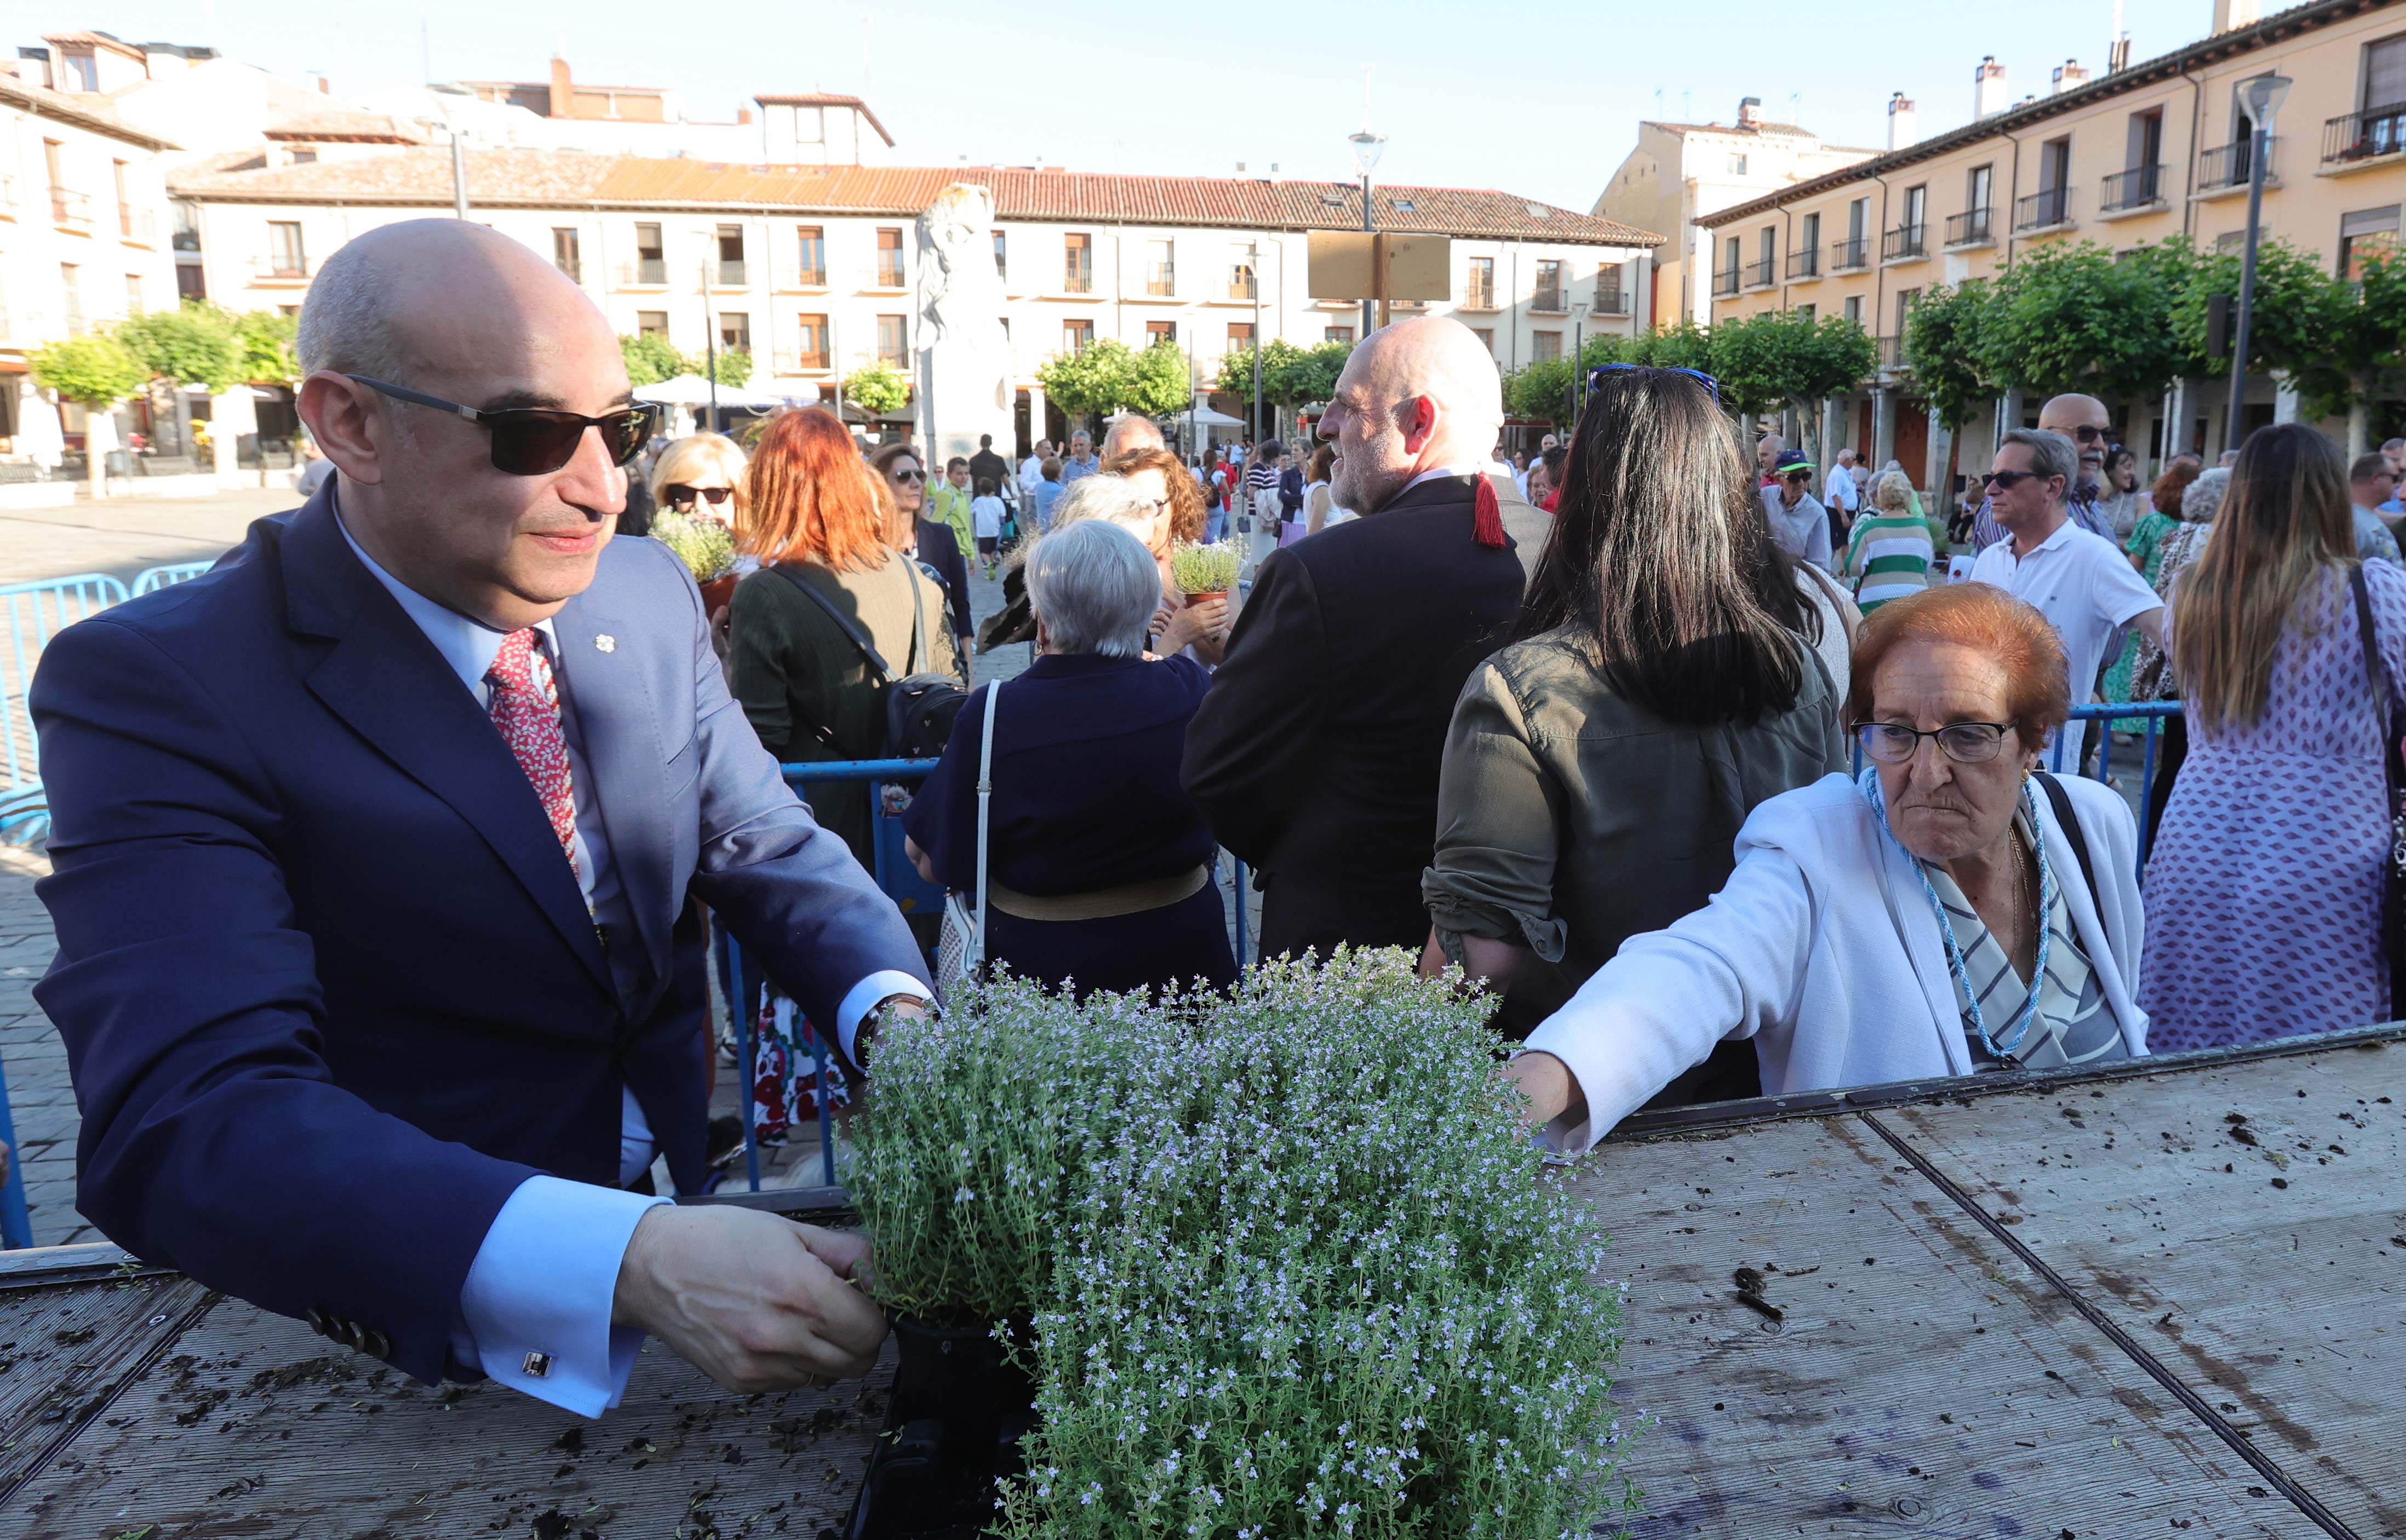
[(2362, 237)]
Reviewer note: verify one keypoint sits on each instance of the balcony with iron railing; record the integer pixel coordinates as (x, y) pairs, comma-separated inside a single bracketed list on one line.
[(2126, 192), (1845, 256), (1725, 283), (2050, 209), (733, 273), (1078, 278), (287, 265), (70, 210), (1480, 295), (1244, 285), (8, 196), (1905, 243), (137, 226), (789, 362), (1161, 280), (1549, 302), (2358, 137), (2225, 168), (1805, 263), (1611, 302), (1762, 275), (889, 270), (1973, 227), (643, 273), (1892, 353)]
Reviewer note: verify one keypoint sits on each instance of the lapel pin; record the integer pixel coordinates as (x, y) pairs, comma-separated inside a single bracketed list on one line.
[(605, 644)]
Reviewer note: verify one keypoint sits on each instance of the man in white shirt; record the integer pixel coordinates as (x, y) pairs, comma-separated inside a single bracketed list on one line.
[(1841, 491), (2080, 581), (1032, 473)]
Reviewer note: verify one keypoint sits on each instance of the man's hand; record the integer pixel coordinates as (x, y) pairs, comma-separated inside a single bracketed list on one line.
[(755, 1302)]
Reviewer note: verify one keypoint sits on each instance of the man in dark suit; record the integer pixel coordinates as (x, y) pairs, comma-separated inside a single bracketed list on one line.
[(987, 465), (376, 970), (1315, 754)]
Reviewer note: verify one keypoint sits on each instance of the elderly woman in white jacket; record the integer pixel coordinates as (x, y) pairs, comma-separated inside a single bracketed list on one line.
[(1887, 928)]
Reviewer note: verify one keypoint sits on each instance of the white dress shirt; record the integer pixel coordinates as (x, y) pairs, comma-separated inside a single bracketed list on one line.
[(2084, 587), (1841, 492), (543, 1281), (1803, 532)]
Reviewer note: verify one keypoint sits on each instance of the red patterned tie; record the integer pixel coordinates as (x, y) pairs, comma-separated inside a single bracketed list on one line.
[(526, 712)]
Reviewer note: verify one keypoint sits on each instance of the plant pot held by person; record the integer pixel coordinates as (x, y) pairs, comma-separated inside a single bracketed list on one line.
[(707, 548), (961, 1403), (1203, 572)]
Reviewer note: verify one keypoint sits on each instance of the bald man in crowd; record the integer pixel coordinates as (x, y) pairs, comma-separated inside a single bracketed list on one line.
[(373, 851), (1316, 754), (2085, 422)]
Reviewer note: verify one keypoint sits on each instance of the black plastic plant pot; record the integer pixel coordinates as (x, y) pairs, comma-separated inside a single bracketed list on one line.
[(953, 1428)]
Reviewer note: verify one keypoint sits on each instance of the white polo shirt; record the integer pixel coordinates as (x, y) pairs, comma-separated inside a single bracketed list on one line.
[(2082, 584)]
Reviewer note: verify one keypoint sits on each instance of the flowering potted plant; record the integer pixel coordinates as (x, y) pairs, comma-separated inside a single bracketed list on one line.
[(1288, 1262), (1203, 572), (707, 547)]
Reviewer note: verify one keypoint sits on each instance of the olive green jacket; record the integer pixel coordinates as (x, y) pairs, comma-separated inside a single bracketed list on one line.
[(1570, 819)]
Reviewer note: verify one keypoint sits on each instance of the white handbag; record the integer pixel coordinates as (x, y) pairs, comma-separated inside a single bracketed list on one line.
[(960, 946)]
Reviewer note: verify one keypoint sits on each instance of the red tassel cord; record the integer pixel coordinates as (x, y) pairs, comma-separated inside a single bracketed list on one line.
[(1486, 516)]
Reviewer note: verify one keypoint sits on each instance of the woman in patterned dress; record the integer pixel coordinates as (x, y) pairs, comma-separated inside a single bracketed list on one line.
[(2266, 883)]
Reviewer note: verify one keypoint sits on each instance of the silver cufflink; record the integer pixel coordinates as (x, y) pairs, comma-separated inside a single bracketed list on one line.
[(538, 1366), (605, 644)]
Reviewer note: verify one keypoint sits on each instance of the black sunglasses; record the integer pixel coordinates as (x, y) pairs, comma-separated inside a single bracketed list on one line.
[(682, 496), (910, 475), (2007, 479), (1712, 386), (532, 441)]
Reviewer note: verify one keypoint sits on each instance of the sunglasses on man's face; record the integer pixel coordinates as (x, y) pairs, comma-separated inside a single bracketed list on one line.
[(682, 496), (2005, 481), (2087, 435), (532, 441)]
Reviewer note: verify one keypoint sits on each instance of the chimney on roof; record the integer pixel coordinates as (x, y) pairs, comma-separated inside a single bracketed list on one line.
[(563, 90), (2070, 75), (325, 87), (1749, 112), (742, 115), (2230, 15), (1900, 121), (1989, 96)]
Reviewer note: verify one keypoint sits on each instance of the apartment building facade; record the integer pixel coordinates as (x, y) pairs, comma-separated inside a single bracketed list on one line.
[(82, 238), (2154, 149), (814, 269)]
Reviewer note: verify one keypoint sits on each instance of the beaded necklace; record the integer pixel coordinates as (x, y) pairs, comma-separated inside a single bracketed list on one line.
[(2026, 1017)]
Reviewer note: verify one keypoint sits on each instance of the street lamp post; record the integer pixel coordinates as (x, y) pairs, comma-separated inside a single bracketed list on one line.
[(1579, 361), (709, 345), (1253, 276), (1366, 149), (2260, 99)]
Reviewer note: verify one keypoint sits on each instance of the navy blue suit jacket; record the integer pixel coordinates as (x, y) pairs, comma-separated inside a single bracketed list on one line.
[(328, 990)]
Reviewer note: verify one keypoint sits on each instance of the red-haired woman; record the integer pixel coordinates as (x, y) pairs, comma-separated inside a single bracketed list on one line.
[(815, 519), (1947, 912)]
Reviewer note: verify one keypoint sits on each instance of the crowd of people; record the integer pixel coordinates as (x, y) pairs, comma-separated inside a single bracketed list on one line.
[(382, 853)]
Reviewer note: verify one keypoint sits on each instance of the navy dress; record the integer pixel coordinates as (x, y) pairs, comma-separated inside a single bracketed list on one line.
[(1086, 797)]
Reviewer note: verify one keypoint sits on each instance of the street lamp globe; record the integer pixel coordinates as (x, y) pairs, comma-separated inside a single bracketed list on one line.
[(1367, 148), (2262, 97)]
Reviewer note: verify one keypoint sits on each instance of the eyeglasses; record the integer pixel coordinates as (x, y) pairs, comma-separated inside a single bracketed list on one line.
[(1712, 386), (1965, 742), (2086, 433), (682, 496), (910, 475), (2007, 480), (532, 441)]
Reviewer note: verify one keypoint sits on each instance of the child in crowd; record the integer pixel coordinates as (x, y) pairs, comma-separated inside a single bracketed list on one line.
[(986, 510)]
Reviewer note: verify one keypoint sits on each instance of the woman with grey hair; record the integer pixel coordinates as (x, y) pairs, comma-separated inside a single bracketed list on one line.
[(1100, 867), (2152, 677)]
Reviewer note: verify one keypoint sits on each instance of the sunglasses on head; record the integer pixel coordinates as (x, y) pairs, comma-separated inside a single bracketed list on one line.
[(1712, 386), (682, 496), (533, 440)]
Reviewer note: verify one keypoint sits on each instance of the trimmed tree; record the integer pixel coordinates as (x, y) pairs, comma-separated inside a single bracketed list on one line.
[(1090, 382), (192, 344), (2366, 357), (1945, 337), (1158, 380), (97, 372), (877, 388), (270, 343), (2076, 317), (650, 359)]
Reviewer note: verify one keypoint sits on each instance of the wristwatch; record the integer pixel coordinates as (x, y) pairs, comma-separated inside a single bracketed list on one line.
[(871, 1025)]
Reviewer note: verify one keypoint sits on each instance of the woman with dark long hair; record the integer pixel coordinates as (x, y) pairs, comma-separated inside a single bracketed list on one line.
[(1663, 682), (2264, 889)]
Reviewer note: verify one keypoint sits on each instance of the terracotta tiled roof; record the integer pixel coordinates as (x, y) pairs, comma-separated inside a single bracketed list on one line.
[(94, 40), (342, 124), (551, 178), (79, 108), (825, 99)]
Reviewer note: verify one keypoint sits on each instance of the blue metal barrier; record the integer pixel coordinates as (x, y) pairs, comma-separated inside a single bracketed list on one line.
[(2153, 712), (34, 612), (152, 579), (16, 1224)]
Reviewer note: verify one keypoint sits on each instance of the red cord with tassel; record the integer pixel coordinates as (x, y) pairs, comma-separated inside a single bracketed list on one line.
[(1486, 516)]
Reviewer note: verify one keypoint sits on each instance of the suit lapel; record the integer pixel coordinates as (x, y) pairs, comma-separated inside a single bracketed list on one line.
[(385, 680), (617, 719)]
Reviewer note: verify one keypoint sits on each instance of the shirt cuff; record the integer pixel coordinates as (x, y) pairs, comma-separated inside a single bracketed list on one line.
[(537, 1303), (864, 999)]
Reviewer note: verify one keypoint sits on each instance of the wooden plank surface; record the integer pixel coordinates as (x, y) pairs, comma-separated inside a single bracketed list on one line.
[(66, 1352), (1922, 1382), (250, 1424), (2263, 1260)]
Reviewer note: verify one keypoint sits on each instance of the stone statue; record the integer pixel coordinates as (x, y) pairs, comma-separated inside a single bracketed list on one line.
[(964, 357)]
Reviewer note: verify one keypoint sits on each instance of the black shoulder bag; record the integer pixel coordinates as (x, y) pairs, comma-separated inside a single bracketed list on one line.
[(918, 709), (2393, 800), (2060, 800)]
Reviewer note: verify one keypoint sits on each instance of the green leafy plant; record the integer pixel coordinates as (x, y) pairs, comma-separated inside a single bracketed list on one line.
[(1158, 381), (1259, 1307), (650, 359), (1198, 569), (1943, 341), (193, 343), (877, 388), (2079, 317), (94, 369), (1291, 376), (1786, 358), (270, 343), (706, 546), (2366, 362), (727, 365)]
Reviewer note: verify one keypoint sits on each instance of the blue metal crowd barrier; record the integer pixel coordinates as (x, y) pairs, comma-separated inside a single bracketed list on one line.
[(34, 612), (2153, 713), (16, 1223), (152, 579), (900, 882)]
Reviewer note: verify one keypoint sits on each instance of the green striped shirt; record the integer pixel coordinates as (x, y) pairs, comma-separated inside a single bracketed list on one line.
[(1889, 555)]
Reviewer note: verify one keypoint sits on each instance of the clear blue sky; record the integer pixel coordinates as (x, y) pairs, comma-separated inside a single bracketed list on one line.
[(1541, 99)]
